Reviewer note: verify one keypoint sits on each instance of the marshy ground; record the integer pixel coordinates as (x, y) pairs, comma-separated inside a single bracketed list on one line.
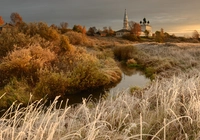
[(168, 108)]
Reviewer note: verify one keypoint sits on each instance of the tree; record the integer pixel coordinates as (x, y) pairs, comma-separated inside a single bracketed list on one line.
[(79, 29), (84, 30), (54, 26), (64, 25), (105, 30), (136, 29), (15, 18), (159, 36), (111, 32), (195, 34), (91, 31), (1, 21)]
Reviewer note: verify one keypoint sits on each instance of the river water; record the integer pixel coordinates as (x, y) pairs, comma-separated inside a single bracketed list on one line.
[(130, 78)]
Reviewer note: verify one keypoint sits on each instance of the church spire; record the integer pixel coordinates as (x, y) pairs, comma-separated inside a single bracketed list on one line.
[(125, 20)]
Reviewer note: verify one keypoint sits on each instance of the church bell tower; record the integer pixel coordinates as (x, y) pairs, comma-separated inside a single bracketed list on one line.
[(125, 20)]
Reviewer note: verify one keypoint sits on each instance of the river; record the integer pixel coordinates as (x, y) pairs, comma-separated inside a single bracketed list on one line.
[(130, 78)]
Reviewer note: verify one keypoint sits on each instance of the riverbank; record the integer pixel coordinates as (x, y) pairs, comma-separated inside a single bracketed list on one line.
[(167, 108), (41, 62)]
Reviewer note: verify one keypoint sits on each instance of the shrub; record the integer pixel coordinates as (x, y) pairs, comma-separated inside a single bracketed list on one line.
[(25, 63), (75, 72), (65, 45), (131, 62), (51, 84), (42, 29), (131, 37), (9, 39), (125, 52), (15, 90), (85, 72), (77, 38)]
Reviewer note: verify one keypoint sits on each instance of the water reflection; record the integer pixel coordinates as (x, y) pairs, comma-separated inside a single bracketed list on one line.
[(74, 99), (130, 77)]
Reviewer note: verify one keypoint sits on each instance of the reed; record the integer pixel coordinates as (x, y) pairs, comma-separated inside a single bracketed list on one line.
[(168, 109)]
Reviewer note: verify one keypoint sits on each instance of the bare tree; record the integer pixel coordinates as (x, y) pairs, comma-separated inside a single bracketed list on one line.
[(16, 18), (54, 26), (195, 34), (110, 31), (105, 29), (131, 24), (1, 20), (64, 25)]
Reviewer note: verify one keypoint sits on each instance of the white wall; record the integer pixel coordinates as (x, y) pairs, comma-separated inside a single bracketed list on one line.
[(146, 27)]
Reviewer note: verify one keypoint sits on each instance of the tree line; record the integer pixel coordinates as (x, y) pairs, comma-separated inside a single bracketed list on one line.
[(135, 29)]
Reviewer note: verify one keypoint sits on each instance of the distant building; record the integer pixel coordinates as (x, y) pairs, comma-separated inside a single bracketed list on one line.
[(126, 29), (146, 29), (122, 32)]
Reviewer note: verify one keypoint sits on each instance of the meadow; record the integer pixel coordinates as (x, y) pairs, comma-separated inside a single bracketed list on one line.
[(168, 108), (37, 62)]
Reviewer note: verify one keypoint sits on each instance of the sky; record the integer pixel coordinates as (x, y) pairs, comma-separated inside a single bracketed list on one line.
[(179, 17)]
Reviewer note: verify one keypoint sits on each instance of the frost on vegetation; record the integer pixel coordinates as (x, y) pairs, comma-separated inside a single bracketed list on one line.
[(169, 108)]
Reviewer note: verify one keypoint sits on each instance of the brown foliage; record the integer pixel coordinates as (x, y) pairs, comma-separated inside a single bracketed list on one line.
[(25, 63), (16, 18), (195, 34), (10, 39), (136, 30), (79, 29), (76, 38), (1, 21), (125, 52)]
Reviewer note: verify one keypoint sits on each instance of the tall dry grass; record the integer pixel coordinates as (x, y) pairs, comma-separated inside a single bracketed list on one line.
[(181, 56), (168, 109), (164, 59)]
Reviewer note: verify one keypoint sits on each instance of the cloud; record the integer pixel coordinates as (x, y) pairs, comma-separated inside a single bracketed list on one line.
[(167, 14)]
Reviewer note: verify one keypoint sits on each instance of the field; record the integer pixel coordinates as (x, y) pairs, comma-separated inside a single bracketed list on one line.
[(168, 108)]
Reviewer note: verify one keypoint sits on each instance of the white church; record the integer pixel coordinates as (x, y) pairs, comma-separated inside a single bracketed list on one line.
[(145, 26)]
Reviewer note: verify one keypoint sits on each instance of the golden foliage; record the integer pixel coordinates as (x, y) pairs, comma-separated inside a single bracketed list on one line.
[(1, 21), (77, 38), (25, 63)]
